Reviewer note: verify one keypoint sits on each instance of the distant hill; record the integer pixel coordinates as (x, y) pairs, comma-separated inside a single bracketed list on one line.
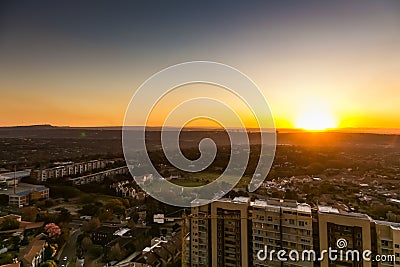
[(342, 137)]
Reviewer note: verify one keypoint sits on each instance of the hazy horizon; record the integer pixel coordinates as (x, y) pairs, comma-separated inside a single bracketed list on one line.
[(282, 130), (330, 64)]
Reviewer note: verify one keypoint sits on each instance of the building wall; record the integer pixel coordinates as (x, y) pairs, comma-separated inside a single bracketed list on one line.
[(98, 177), (354, 229), (229, 233), (25, 199), (228, 226), (68, 170), (388, 242), (200, 237), (279, 226)]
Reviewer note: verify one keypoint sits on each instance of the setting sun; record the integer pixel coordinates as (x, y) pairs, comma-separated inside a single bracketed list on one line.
[(316, 119)]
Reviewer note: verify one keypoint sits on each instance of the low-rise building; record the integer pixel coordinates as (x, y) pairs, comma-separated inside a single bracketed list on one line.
[(23, 194), (33, 254), (13, 178)]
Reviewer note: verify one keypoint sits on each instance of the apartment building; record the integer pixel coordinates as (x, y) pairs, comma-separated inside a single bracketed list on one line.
[(229, 232), (68, 169), (200, 231), (281, 225), (353, 228), (219, 234), (388, 242), (98, 176), (232, 232)]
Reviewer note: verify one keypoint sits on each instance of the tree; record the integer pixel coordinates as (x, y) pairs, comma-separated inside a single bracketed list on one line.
[(115, 252), (6, 259), (29, 214), (52, 229), (104, 215), (91, 225), (3, 200), (86, 243), (9, 223), (49, 251), (64, 237), (65, 216), (89, 209), (126, 203), (95, 251), (48, 263), (115, 206), (135, 216)]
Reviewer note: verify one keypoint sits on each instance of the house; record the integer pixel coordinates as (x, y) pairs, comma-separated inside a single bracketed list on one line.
[(33, 254), (103, 235)]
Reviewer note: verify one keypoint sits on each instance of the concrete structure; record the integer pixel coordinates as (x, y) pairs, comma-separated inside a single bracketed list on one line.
[(68, 169), (279, 225), (98, 176), (355, 228), (33, 254), (232, 232), (11, 178), (388, 241), (219, 234), (199, 253), (24, 194)]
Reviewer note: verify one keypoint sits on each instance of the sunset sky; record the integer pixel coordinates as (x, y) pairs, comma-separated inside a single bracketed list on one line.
[(78, 63)]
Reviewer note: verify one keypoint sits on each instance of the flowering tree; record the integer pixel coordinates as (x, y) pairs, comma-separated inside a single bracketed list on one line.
[(52, 229)]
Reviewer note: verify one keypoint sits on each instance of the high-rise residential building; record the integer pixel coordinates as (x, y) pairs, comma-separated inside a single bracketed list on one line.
[(281, 225), (230, 244), (233, 232), (200, 233), (354, 229), (219, 234), (388, 242)]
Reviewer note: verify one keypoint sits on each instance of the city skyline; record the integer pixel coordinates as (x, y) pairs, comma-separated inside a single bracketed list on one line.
[(79, 64)]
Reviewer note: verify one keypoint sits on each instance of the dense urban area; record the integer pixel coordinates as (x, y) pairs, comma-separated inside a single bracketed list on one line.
[(68, 199)]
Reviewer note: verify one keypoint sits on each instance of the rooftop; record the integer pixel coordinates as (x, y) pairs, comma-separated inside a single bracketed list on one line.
[(288, 205), (33, 250), (22, 189), (18, 175), (122, 231), (391, 224), (332, 210)]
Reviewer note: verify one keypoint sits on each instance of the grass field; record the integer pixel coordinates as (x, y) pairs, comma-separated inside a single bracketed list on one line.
[(189, 183), (199, 179)]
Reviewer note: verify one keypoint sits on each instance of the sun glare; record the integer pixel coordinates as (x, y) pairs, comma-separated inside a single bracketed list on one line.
[(316, 120)]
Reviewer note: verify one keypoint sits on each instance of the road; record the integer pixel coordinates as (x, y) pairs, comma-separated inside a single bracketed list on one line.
[(69, 248)]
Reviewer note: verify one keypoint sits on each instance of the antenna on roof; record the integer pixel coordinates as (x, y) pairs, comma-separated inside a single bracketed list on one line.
[(15, 170)]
